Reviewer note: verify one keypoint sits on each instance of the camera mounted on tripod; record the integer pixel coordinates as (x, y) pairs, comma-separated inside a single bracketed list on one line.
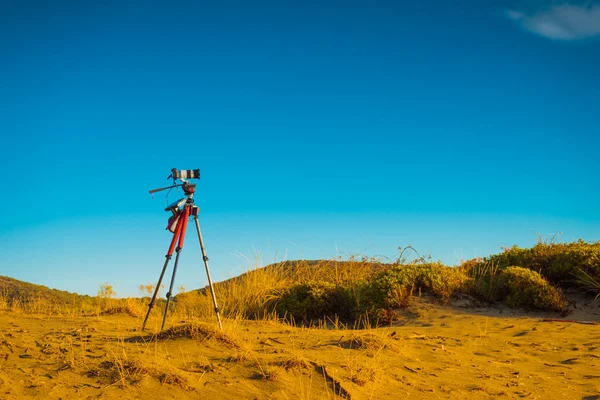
[(189, 189), (181, 211), (183, 175)]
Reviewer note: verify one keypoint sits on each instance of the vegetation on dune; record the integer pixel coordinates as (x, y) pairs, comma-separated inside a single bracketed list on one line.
[(543, 270), (563, 264), (435, 278), (316, 300), (366, 289), (37, 298), (525, 288), (358, 289)]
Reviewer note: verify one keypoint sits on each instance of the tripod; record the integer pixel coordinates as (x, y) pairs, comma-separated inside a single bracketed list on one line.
[(181, 210)]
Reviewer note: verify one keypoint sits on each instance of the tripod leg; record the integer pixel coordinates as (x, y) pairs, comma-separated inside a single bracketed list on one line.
[(205, 258), (168, 258), (184, 221)]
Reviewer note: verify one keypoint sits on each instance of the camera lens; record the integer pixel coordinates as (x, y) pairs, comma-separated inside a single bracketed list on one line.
[(190, 173)]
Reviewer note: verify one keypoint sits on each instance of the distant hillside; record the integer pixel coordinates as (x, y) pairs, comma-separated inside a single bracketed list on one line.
[(14, 290)]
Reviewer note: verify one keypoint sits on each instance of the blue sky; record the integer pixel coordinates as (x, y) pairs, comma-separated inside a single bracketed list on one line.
[(321, 129)]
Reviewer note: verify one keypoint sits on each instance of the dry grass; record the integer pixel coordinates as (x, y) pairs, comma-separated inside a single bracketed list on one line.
[(589, 283), (295, 362), (195, 331), (246, 296), (131, 372), (4, 302), (367, 341), (201, 365), (35, 304), (268, 373), (362, 374), (365, 368), (253, 294), (130, 306)]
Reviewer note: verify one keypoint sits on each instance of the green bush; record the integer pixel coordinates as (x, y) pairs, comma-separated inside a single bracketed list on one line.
[(389, 290), (393, 286), (487, 283), (316, 300), (490, 287), (525, 288), (376, 296), (352, 290), (560, 263)]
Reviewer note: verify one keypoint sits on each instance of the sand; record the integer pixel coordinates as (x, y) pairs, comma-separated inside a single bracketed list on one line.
[(434, 352)]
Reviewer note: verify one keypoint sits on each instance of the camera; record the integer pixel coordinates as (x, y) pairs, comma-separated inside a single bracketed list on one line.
[(185, 173)]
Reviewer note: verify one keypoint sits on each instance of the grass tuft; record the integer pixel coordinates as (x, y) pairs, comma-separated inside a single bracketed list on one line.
[(295, 362)]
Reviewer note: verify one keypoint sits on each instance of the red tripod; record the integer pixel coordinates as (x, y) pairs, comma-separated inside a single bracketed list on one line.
[(181, 210)]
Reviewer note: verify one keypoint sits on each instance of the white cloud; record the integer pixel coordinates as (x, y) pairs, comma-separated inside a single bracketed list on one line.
[(562, 22)]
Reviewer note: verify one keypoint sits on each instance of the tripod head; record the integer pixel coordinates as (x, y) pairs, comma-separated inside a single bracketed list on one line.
[(178, 207)]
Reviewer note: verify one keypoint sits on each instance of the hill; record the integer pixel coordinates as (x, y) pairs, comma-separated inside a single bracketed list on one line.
[(26, 295)]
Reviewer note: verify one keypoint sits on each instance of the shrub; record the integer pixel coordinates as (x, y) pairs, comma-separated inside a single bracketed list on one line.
[(560, 263), (315, 300), (487, 283), (309, 290), (106, 291), (450, 281), (393, 286), (526, 288), (490, 288)]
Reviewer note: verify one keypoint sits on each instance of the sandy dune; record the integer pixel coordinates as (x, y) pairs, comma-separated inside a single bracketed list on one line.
[(436, 352)]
